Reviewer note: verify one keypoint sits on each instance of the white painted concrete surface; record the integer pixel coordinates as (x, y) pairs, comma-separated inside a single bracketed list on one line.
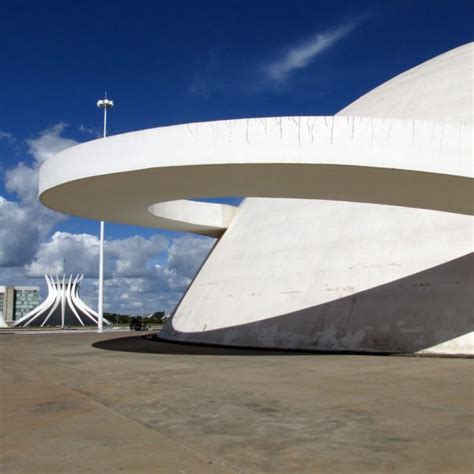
[(356, 159), (332, 276), (367, 273), (439, 89), (345, 276)]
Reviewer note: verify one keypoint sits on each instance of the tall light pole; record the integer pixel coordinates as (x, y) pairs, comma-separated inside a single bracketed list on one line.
[(102, 104)]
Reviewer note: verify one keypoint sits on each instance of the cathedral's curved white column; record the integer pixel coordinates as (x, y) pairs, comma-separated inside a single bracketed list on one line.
[(62, 306)]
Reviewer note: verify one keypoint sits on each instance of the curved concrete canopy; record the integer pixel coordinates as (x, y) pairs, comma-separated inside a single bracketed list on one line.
[(129, 178), (309, 273), (340, 276)]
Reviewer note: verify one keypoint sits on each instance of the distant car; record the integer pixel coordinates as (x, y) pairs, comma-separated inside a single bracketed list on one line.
[(138, 324)]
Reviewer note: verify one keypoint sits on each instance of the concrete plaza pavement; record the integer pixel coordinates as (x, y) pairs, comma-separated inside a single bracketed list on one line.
[(122, 402)]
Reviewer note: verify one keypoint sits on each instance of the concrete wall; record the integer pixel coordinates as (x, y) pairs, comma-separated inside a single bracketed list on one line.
[(337, 276), (8, 304), (359, 278)]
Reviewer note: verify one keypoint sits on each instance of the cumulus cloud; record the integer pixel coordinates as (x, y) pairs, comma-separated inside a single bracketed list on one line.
[(133, 280), (23, 181), (131, 256), (18, 237), (25, 223), (124, 257), (185, 255), (49, 142), (60, 253), (302, 55)]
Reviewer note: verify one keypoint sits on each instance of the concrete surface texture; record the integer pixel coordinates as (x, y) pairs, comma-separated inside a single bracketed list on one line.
[(360, 159), (352, 158), (383, 269), (113, 403), (360, 278), (439, 89), (347, 276)]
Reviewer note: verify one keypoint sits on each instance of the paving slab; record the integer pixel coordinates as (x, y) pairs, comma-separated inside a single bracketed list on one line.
[(123, 402)]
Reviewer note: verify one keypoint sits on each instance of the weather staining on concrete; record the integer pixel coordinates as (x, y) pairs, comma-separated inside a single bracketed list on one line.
[(379, 196)]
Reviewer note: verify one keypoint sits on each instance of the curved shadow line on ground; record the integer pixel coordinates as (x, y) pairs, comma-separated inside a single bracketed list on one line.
[(153, 344)]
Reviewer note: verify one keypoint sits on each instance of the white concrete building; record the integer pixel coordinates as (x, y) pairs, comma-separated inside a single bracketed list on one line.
[(357, 231), (62, 307)]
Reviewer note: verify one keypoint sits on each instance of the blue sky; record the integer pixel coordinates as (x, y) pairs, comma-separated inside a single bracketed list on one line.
[(167, 62)]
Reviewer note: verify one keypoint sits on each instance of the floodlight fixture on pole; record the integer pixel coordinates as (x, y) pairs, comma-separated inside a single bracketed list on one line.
[(102, 104)]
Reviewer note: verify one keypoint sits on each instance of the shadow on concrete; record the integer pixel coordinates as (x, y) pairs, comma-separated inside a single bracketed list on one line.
[(404, 316), (152, 344)]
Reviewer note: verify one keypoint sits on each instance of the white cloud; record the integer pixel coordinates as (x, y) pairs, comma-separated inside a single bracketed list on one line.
[(22, 181), (78, 252), (303, 54), (17, 236), (25, 223), (273, 72), (132, 279), (124, 257), (185, 255), (134, 283), (49, 142), (133, 254)]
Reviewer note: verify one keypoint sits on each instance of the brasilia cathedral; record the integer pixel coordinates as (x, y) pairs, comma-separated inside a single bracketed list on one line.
[(62, 307), (355, 234)]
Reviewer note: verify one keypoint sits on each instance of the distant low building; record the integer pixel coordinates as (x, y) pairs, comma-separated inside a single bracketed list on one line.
[(16, 301)]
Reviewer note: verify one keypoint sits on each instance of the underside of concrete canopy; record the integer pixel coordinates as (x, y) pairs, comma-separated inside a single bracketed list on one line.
[(129, 178), (356, 234)]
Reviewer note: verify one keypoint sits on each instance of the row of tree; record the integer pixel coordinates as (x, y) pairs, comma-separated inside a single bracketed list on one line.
[(159, 317)]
